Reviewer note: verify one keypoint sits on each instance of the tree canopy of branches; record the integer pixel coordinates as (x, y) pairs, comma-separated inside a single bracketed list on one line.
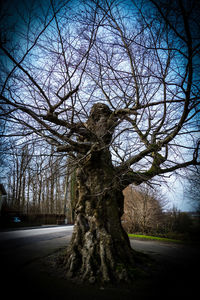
[(114, 85)]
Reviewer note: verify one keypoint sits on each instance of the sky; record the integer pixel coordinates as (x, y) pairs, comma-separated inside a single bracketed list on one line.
[(176, 194)]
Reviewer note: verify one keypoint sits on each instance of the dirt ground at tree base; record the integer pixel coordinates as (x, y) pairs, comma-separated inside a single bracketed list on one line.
[(166, 277)]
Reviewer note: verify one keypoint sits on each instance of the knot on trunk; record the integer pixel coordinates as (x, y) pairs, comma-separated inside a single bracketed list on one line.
[(101, 123)]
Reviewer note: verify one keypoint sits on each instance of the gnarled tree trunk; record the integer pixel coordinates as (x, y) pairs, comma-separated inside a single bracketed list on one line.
[(100, 249)]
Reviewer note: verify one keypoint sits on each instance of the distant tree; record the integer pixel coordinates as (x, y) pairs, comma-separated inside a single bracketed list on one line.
[(115, 86), (142, 210), (178, 225), (192, 189), (36, 182)]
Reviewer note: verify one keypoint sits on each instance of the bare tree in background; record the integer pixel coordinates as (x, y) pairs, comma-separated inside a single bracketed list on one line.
[(143, 209), (114, 85), (36, 182), (192, 189)]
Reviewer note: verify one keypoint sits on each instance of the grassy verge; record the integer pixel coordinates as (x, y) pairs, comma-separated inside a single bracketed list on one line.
[(140, 236)]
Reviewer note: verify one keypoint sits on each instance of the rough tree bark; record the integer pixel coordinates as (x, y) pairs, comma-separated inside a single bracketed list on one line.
[(100, 249)]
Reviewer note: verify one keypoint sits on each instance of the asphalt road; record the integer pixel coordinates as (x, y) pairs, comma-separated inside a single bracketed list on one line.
[(172, 252), (25, 245), (22, 246), (23, 252), (34, 235)]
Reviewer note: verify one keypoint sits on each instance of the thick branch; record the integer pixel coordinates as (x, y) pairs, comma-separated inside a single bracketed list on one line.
[(76, 146), (81, 147), (140, 177), (126, 111), (124, 166)]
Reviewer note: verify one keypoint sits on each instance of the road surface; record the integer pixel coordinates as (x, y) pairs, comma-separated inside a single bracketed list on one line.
[(25, 245), (24, 273)]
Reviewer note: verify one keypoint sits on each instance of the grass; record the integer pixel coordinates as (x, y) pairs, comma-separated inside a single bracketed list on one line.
[(153, 238)]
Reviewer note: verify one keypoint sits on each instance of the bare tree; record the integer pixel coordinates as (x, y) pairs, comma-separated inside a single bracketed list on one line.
[(143, 209), (35, 180), (116, 89), (192, 189)]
